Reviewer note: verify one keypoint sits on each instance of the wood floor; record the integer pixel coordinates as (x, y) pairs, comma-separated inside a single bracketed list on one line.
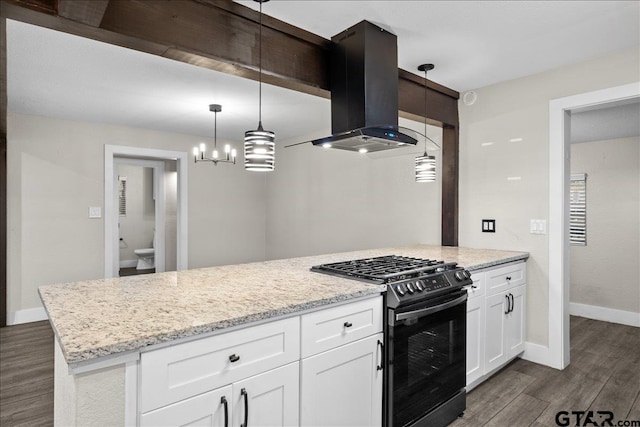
[(604, 375), (26, 375)]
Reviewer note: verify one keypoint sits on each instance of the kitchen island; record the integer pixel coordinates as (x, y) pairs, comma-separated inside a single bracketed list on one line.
[(103, 327)]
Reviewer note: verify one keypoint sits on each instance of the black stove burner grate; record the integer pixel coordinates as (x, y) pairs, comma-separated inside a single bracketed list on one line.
[(384, 269)]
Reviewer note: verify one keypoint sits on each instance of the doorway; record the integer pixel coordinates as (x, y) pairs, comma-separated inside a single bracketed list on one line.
[(154, 162), (557, 354), (141, 202)]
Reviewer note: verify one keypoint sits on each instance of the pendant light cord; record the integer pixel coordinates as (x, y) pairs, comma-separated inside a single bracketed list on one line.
[(260, 72), (215, 130), (425, 111)]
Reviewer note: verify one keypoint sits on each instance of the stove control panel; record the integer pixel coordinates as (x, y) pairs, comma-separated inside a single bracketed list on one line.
[(415, 289)]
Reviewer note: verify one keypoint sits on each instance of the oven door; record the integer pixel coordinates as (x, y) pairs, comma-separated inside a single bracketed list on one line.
[(427, 357)]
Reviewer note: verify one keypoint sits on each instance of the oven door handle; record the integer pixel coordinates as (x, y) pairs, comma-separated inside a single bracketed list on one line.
[(430, 310)]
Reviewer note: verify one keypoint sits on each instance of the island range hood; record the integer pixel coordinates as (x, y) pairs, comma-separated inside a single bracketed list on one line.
[(364, 92)]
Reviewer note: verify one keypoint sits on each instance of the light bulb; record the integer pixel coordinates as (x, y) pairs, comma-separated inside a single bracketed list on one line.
[(215, 154), (195, 151), (326, 145), (202, 147), (362, 150), (227, 148), (234, 153)]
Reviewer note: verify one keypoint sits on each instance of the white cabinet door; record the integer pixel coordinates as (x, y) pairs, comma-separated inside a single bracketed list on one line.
[(475, 339), (496, 307), (206, 409), (271, 398), (343, 386), (515, 332)]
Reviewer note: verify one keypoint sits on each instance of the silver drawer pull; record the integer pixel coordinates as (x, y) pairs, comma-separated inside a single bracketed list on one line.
[(348, 324), (233, 358)]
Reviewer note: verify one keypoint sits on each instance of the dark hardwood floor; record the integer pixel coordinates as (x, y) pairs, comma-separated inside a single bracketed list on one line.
[(132, 271), (604, 375), (26, 375)]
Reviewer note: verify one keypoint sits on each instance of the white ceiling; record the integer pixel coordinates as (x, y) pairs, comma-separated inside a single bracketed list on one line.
[(473, 44)]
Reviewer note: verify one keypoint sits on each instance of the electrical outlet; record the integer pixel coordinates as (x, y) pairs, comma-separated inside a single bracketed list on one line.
[(488, 225)]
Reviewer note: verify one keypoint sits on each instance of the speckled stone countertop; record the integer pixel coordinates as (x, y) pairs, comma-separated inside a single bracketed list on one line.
[(97, 318)]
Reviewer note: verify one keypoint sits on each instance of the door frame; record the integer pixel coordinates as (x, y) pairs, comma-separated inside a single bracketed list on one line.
[(159, 210), (113, 151), (559, 173)]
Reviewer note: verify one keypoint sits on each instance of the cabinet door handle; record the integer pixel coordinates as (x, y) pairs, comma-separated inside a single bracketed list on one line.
[(508, 278), (380, 367), (233, 358), (244, 393), (348, 324), (508, 304), (511, 298), (223, 401)]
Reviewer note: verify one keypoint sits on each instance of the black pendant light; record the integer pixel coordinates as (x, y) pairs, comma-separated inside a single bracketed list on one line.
[(425, 164), (259, 144)]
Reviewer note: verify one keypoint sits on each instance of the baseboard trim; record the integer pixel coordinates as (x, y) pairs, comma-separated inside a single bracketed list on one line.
[(612, 315), (128, 263), (26, 316)]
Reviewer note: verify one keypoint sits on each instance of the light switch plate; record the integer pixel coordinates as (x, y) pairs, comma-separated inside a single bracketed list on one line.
[(538, 226), (95, 212)]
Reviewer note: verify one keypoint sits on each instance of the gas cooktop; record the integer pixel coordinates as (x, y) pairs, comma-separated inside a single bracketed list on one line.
[(385, 269), (409, 280)]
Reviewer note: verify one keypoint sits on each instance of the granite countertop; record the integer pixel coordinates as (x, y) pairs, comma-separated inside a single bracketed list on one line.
[(96, 318)]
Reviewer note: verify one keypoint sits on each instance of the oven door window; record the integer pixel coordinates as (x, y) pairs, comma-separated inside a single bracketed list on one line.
[(429, 362)]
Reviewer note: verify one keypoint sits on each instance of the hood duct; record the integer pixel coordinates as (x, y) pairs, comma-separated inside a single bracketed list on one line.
[(364, 92)]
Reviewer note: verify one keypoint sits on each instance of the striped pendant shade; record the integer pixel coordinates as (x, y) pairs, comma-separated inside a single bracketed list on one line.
[(425, 168), (259, 150)]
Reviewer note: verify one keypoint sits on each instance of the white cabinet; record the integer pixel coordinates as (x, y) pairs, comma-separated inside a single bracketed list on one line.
[(505, 315), (341, 379), (343, 386), (174, 373), (268, 399), (475, 328), (207, 409), (495, 331), (184, 384), (495, 320), (257, 372)]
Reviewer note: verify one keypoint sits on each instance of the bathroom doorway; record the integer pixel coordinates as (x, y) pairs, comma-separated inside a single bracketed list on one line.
[(145, 210), (142, 198)]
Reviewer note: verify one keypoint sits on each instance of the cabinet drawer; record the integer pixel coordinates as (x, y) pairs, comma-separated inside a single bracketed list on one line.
[(478, 287), (503, 278), (171, 374), (336, 326)]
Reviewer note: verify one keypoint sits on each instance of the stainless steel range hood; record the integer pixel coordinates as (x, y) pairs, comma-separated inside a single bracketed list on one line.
[(364, 92)]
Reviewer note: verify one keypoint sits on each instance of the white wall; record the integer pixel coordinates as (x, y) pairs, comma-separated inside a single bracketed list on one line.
[(56, 171), (520, 109), (136, 227), (606, 272), (316, 201), (325, 200)]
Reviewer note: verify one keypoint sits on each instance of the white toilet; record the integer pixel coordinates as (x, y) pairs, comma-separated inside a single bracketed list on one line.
[(146, 257)]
